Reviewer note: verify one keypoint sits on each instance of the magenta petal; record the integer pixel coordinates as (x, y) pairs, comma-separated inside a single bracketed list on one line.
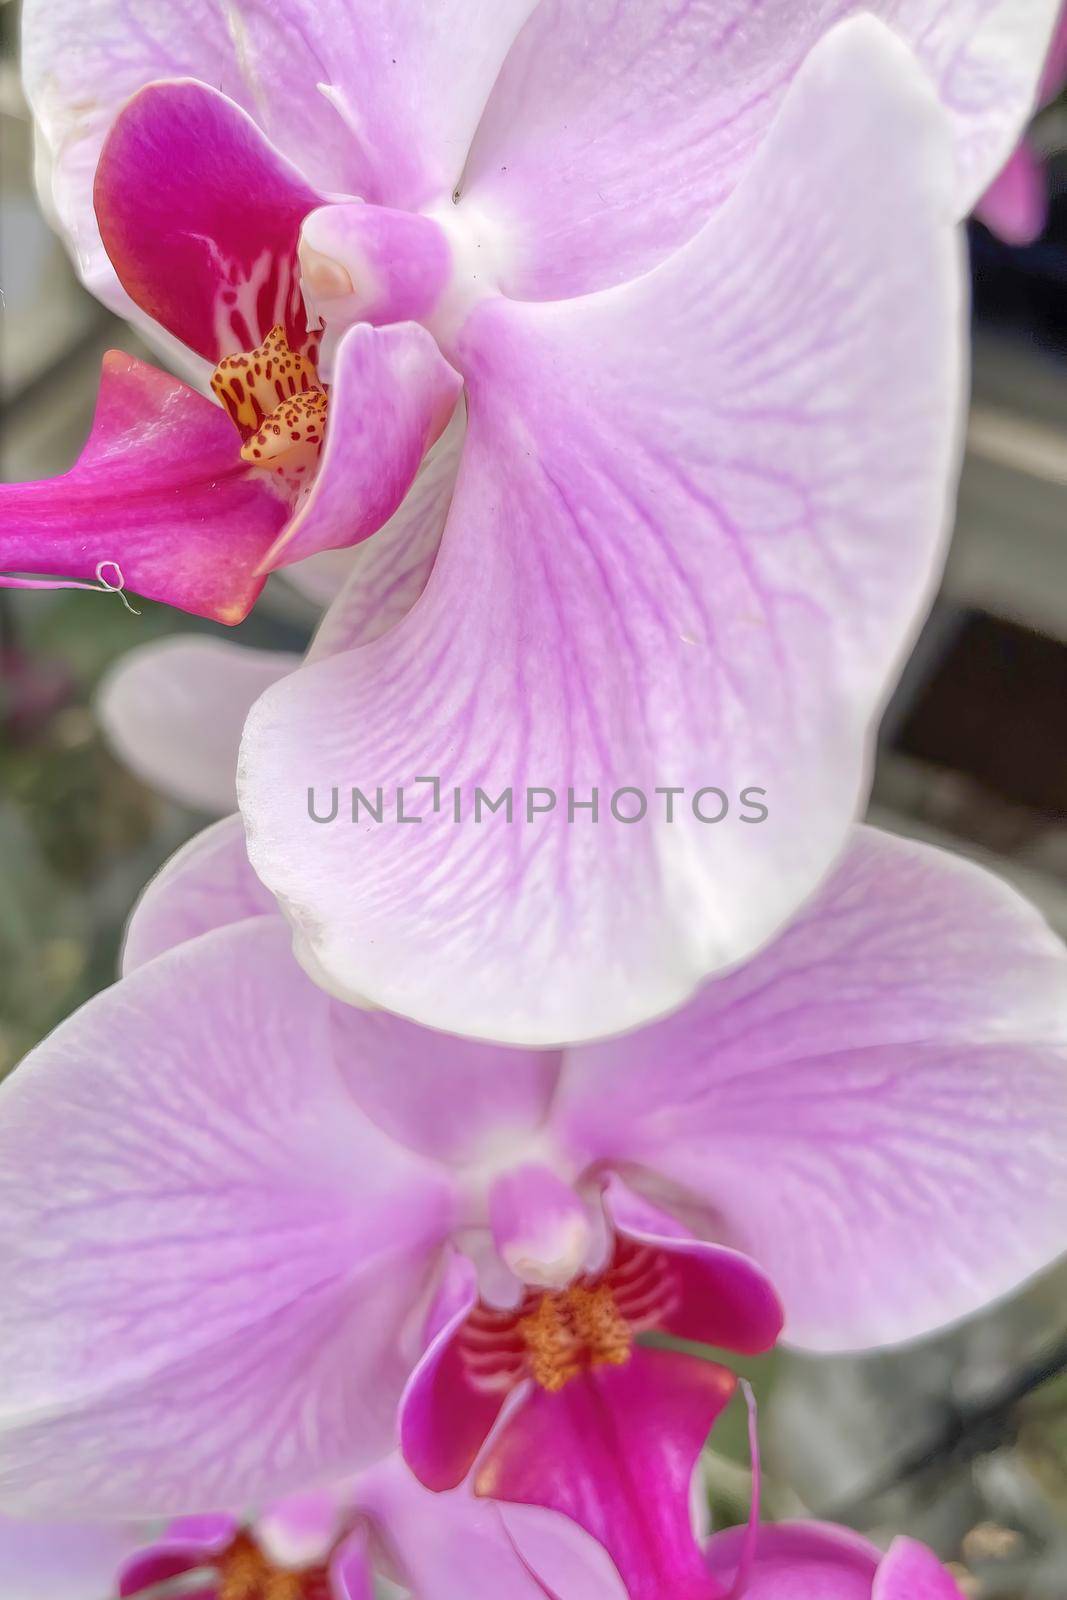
[(615, 1450), (391, 398), (1015, 206), (201, 218), (444, 1418), (189, 1543), (798, 1561), (159, 501), (912, 1572), (721, 1296), (351, 1573)]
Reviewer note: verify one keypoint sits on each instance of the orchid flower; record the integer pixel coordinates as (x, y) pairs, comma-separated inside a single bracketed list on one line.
[(1015, 206), (437, 1547), (813, 1561), (710, 359), (246, 1222), (325, 1545)]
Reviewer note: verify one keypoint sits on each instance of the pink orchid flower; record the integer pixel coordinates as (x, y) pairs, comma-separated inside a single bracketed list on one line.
[(711, 372), (436, 1547), (813, 1561), (246, 1222), (324, 1545), (1015, 206)]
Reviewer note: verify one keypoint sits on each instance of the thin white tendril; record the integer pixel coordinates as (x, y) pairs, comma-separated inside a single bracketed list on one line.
[(116, 586), (748, 1548)]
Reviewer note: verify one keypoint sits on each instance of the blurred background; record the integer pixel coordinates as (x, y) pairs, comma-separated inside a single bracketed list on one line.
[(961, 1441)]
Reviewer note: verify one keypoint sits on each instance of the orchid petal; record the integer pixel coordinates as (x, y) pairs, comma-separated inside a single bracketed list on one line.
[(444, 1417), (1015, 206), (207, 884), (615, 1451), (201, 219), (386, 575), (187, 1544), (798, 1561), (321, 578), (173, 712), (1054, 76), (614, 131), (912, 1572), (720, 1297), (675, 556), (220, 1220), (453, 1099), (892, 1069), (457, 1100), (392, 396), (158, 502), (78, 1561), (456, 1547), (351, 1573)]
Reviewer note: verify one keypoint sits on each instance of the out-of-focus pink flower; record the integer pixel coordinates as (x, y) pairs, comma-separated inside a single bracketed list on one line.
[(324, 1545), (246, 1221), (813, 1561), (33, 687), (1015, 206), (712, 372)]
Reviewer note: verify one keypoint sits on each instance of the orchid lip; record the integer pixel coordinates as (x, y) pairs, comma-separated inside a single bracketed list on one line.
[(555, 1336)]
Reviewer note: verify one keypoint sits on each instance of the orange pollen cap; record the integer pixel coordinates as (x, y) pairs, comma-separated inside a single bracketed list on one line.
[(275, 400), (573, 1331)]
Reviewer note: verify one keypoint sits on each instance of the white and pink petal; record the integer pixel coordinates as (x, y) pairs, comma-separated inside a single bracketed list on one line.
[(173, 712), (696, 522), (615, 131), (212, 1256), (76, 1560), (892, 1068)]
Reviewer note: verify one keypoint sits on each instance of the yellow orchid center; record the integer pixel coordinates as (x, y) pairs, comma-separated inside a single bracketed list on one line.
[(573, 1331), (276, 402)]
